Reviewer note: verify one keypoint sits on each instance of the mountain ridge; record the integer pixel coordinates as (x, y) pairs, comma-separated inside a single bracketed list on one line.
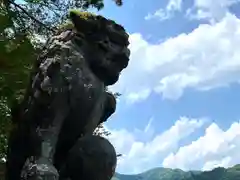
[(160, 173)]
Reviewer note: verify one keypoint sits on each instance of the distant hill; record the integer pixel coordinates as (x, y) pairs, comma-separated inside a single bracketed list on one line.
[(232, 173)]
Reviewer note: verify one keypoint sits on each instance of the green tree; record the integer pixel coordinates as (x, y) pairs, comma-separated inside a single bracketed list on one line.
[(21, 22)]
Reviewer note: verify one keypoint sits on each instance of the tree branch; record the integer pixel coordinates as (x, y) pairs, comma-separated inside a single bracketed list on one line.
[(33, 18)]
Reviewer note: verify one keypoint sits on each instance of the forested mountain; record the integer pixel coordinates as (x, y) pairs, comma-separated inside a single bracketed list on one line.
[(232, 173)]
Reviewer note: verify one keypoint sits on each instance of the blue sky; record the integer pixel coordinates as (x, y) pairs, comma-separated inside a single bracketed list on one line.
[(180, 102)]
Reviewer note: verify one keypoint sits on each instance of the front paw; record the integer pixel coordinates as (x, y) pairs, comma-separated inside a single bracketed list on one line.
[(39, 169)]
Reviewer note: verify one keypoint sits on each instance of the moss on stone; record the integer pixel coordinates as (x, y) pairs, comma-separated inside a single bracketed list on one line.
[(69, 25), (65, 26), (83, 14)]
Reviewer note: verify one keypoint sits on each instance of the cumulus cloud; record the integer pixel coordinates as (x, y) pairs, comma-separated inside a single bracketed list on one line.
[(166, 13), (160, 14), (206, 58), (210, 10), (140, 154), (216, 148)]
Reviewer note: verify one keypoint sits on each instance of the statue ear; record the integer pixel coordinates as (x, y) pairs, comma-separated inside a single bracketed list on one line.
[(84, 25)]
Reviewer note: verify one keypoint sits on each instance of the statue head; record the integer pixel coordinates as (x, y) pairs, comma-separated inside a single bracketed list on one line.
[(106, 44)]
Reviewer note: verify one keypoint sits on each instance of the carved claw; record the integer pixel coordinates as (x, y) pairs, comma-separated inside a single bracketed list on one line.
[(40, 169), (110, 107)]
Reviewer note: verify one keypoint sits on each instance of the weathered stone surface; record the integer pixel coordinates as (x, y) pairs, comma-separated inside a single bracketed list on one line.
[(66, 100), (97, 162), (2, 170)]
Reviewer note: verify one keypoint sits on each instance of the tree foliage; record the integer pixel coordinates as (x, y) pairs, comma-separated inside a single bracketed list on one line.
[(21, 23)]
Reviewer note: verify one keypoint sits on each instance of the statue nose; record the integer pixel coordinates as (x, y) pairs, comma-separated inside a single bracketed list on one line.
[(126, 51)]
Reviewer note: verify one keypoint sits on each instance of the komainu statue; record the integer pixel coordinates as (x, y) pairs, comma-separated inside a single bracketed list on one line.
[(66, 100)]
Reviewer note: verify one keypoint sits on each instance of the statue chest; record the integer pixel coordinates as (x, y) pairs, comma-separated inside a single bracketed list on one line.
[(87, 99)]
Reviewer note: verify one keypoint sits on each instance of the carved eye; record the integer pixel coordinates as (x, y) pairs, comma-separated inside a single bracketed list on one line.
[(119, 39), (103, 46)]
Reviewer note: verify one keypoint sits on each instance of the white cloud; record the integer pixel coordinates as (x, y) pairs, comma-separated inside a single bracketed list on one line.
[(215, 148), (167, 13), (140, 95), (140, 154), (160, 14), (206, 58), (211, 10), (149, 125), (224, 162), (174, 5)]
